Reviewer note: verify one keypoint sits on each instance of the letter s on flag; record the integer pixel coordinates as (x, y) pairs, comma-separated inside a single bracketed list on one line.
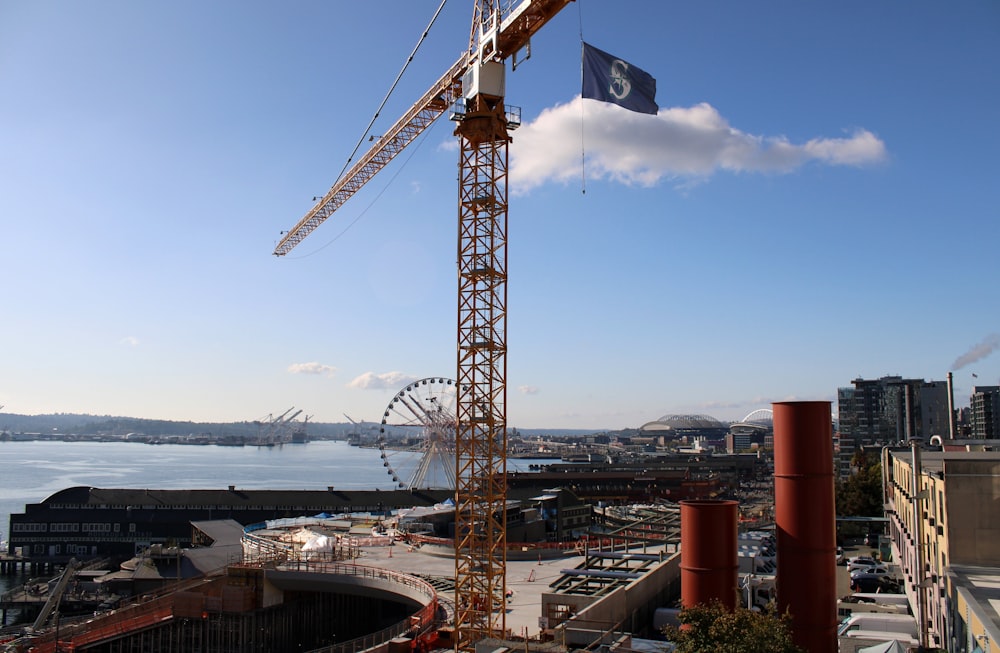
[(610, 79)]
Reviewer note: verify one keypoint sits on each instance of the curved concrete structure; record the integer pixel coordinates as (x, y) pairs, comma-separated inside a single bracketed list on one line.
[(321, 607), (356, 580)]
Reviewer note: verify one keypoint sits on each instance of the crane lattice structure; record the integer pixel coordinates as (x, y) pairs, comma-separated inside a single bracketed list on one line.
[(276, 430), (474, 89)]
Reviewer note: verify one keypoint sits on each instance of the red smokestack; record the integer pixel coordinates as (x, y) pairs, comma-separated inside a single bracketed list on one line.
[(805, 516), (708, 552)]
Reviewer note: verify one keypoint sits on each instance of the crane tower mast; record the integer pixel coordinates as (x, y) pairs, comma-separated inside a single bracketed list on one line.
[(474, 88)]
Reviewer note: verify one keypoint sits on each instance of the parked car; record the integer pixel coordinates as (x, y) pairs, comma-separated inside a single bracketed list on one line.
[(866, 584), (874, 583), (874, 570), (860, 562)]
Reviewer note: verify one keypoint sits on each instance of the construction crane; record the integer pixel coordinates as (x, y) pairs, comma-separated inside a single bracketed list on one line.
[(359, 430), (56, 595), (473, 88)]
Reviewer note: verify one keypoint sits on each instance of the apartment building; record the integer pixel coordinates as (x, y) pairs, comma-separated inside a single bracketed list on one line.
[(984, 412), (944, 526), (873, 413)]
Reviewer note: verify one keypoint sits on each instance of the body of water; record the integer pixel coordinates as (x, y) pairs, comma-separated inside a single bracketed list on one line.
[(32, 471)]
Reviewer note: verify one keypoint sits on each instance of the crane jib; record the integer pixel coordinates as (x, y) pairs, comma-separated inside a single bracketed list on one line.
[(515, 31), (435, 102)]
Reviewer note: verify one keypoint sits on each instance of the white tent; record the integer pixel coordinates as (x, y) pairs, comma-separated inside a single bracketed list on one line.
[(317, 546)]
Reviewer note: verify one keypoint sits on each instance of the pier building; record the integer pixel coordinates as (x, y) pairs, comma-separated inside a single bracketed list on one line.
[(86, 523)]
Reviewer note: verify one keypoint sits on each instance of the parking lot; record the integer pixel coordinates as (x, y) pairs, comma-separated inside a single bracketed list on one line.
[(852, 548)]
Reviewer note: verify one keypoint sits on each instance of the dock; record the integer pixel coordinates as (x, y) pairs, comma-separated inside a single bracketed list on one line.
[(12, 564), (78, 594)]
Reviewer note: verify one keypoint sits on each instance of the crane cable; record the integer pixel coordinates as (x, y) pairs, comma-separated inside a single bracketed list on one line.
[(368, 129), (391, 89), (412, 152)]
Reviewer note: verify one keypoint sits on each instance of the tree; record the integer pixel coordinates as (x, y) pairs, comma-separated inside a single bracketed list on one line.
[(713, 629), (860, 494)]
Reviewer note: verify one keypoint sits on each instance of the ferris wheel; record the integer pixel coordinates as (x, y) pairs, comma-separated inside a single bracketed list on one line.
[(417, 436)]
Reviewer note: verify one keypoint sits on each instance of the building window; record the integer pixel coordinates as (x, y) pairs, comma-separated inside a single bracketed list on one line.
[(558, 613)]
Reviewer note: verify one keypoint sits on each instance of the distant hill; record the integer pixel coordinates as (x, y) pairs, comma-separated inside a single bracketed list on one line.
[(69, 423)]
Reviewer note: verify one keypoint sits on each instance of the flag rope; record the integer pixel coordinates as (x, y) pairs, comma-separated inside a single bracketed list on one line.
[(583, 147)]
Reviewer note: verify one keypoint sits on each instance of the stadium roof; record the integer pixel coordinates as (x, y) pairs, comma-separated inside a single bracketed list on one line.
[(683, 423)]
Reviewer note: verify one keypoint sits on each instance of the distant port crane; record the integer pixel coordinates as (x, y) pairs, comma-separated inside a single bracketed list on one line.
[(473, 88), (276, 430)]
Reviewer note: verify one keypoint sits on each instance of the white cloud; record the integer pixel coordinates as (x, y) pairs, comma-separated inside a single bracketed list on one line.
[(385, 381), (680, 142), (130, 341), (311, 368), (528, 389)]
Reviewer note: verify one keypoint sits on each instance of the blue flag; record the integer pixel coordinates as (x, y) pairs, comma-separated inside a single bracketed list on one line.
[(610, 79)]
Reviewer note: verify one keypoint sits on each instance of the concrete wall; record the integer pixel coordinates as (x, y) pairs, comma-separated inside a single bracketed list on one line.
[(628, 608), (379, 584), (973, 512)]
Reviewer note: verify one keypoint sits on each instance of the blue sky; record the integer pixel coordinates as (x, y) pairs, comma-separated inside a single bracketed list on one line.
[(817, 200)]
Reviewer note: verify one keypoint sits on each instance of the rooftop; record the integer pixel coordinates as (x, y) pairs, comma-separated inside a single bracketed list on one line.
[(980, 586), (934, 461)]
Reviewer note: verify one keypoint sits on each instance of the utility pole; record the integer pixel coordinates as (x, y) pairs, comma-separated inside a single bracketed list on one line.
[(918, 498)]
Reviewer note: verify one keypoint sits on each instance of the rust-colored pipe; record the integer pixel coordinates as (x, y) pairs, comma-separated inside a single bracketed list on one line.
[(805, 515), (708, 552)]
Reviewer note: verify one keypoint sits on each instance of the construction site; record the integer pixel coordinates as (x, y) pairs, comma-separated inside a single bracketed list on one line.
[(330, 583), (474, 588), (301, 586)]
